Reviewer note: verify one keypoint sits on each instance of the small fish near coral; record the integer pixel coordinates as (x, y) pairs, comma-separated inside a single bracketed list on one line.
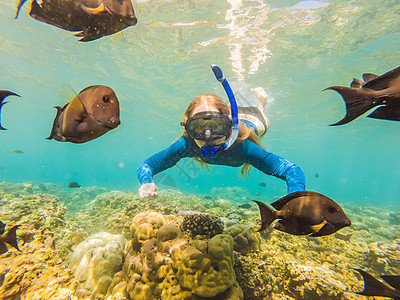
[(304, 213), (374, 287), (93, 18), (92, 113), (74, 185), (382, 91), (10, 238), (3, 95)]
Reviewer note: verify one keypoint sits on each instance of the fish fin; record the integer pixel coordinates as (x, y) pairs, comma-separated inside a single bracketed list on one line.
[(285, 199), (3, 248), (358, 102), (268, 215), (393, 280), (101, 9), (4, 94), (55, 122), (383, 82), (356, 83), (387, 112), (367, 77), (372, 286), (11, 238), (318, 227), (19, 6), (75, 109)]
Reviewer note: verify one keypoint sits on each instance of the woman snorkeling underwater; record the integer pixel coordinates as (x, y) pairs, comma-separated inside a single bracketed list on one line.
[(214, 134)]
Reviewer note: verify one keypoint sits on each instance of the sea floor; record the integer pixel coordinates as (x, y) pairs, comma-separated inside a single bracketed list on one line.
[(54, 221)]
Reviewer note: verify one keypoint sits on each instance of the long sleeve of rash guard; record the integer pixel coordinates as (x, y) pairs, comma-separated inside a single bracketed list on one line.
[(161, 161), (275, 165)]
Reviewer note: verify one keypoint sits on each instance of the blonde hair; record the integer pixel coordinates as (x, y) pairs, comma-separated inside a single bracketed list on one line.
[(217, 103)]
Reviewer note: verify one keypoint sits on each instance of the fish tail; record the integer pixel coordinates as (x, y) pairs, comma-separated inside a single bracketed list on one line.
[(268, 215), (357, 102), (11, 237), (55, 123), (4, 94), (374, 287)]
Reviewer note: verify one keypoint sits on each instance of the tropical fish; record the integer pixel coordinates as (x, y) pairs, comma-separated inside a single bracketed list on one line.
[(374, 287), (74, 185), (3, 95), (304, 212), (93, 112), (382, 91), (10, 238), (263, 184), (246, 205), (16, 151), (93, 18)]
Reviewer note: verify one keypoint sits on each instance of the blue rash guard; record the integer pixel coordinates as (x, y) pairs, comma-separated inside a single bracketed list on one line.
[(235, 156)]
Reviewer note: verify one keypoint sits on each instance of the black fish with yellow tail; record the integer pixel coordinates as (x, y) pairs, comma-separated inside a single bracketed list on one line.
[(304, 213), (382, 92), (93, 18), (92, 113)]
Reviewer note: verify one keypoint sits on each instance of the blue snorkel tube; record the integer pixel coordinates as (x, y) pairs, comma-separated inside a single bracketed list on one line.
[(211, 151)]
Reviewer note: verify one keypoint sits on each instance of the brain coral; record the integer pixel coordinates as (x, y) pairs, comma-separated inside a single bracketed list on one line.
[(202, 224), (96, 260)]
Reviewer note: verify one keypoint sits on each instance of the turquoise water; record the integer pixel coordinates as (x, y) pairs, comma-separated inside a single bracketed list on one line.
[(292, 49)]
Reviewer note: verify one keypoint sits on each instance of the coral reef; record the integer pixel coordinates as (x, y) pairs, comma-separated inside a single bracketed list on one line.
[(96, 260), (245, 239), (202, 224), (162, 260), (161, 264), (36, 272)]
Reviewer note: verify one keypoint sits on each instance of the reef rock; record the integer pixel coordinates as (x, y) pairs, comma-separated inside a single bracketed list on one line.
[(96, 260)]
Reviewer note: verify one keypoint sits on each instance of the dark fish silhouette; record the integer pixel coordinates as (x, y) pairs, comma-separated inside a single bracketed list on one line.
[(316, 175), (74, 185), (304, 212), (382, 91), (3, 95), (93, 112), (10, 238), (94, 18), (374, 287), (263, 184)]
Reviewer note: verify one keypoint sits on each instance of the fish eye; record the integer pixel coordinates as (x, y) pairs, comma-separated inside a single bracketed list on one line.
[(331, 209), (106, 99)]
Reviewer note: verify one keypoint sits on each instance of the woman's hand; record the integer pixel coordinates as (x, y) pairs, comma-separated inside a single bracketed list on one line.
[(148, 190)]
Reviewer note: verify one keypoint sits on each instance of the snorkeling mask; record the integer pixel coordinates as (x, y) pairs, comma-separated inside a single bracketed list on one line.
[(212, 150), (208, 126)]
